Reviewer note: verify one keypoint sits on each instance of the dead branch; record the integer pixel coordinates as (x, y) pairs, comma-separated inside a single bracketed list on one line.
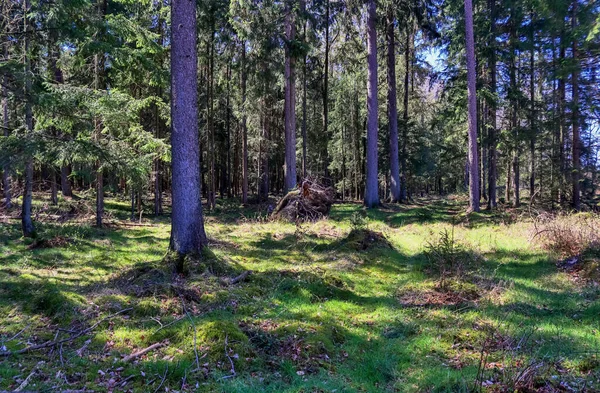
[(49, 344), (144, 351), (241, 277)]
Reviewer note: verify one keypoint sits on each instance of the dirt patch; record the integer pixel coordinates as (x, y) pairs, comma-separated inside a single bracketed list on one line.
[(438, 298)]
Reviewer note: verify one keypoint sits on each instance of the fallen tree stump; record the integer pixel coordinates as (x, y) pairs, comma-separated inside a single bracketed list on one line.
[(309, 203)]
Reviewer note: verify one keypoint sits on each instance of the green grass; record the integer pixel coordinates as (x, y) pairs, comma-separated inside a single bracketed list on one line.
[(316, 315)]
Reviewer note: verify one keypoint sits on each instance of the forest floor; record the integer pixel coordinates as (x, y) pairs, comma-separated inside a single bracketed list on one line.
[(339, 305)]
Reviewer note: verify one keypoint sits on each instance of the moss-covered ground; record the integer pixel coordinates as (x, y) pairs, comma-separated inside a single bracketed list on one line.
[(329, 306)]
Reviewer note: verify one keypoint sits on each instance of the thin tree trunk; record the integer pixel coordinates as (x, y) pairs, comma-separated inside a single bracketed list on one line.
[(392, 108), (5, 124), (492, 155), (97, 132), (244, 129), (403, 155), (228, 132), (532, 140), (304, 141), (514, 113), (576, 148), (187, 226), (325, 95), (371, 184), (290, 100), (562, 122), (26, 221), (472, 98)]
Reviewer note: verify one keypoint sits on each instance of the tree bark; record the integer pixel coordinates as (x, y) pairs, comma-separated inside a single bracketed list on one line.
[(244, 128), (97, 132), (304, 83), (472, 101), (26, 221), (5, 124), (371, 184), (325, 92), (492, 154), (392, 108), (532, 139), (403, 155), (576, 144), (562, 122), (187, 226), (290, 99)]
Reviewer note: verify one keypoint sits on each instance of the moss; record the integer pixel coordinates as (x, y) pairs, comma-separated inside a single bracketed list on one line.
[(364, 239), (146, 308), (53, 302), (590, 363)]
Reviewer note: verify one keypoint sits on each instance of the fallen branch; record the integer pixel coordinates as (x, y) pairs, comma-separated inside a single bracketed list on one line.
[(240, 278), (49, 344), (144, 351)]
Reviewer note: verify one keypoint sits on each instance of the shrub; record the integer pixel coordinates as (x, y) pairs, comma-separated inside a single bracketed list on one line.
[(568, 235), (447, 258)]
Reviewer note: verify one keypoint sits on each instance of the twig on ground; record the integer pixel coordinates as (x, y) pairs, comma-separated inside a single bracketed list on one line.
[(49, 344), (144, 351), (162, 381), (230, 361), (80, 351), (195, 332), (240, 278)]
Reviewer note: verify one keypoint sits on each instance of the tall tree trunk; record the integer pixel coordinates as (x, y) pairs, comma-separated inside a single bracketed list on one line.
[(514, 113), (532, 139), (187, 225), (371, 184), (492, 154), (562, 122), (26, 221), (392, 108), (290, 99), (472, 98), (304, 83), (228, 133), (403, 155), (212, 188), (325, 95), (157, 126), (5, 124), (97, 132), (576, 144), (244, 128)]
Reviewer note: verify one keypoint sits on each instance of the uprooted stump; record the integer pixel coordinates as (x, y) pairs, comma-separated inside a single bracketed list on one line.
[(311, 202)]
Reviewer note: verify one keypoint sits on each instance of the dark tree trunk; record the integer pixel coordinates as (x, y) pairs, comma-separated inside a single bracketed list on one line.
[(472, 98), (187, 226), (371, 185), (392, 108), (290, 99)]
